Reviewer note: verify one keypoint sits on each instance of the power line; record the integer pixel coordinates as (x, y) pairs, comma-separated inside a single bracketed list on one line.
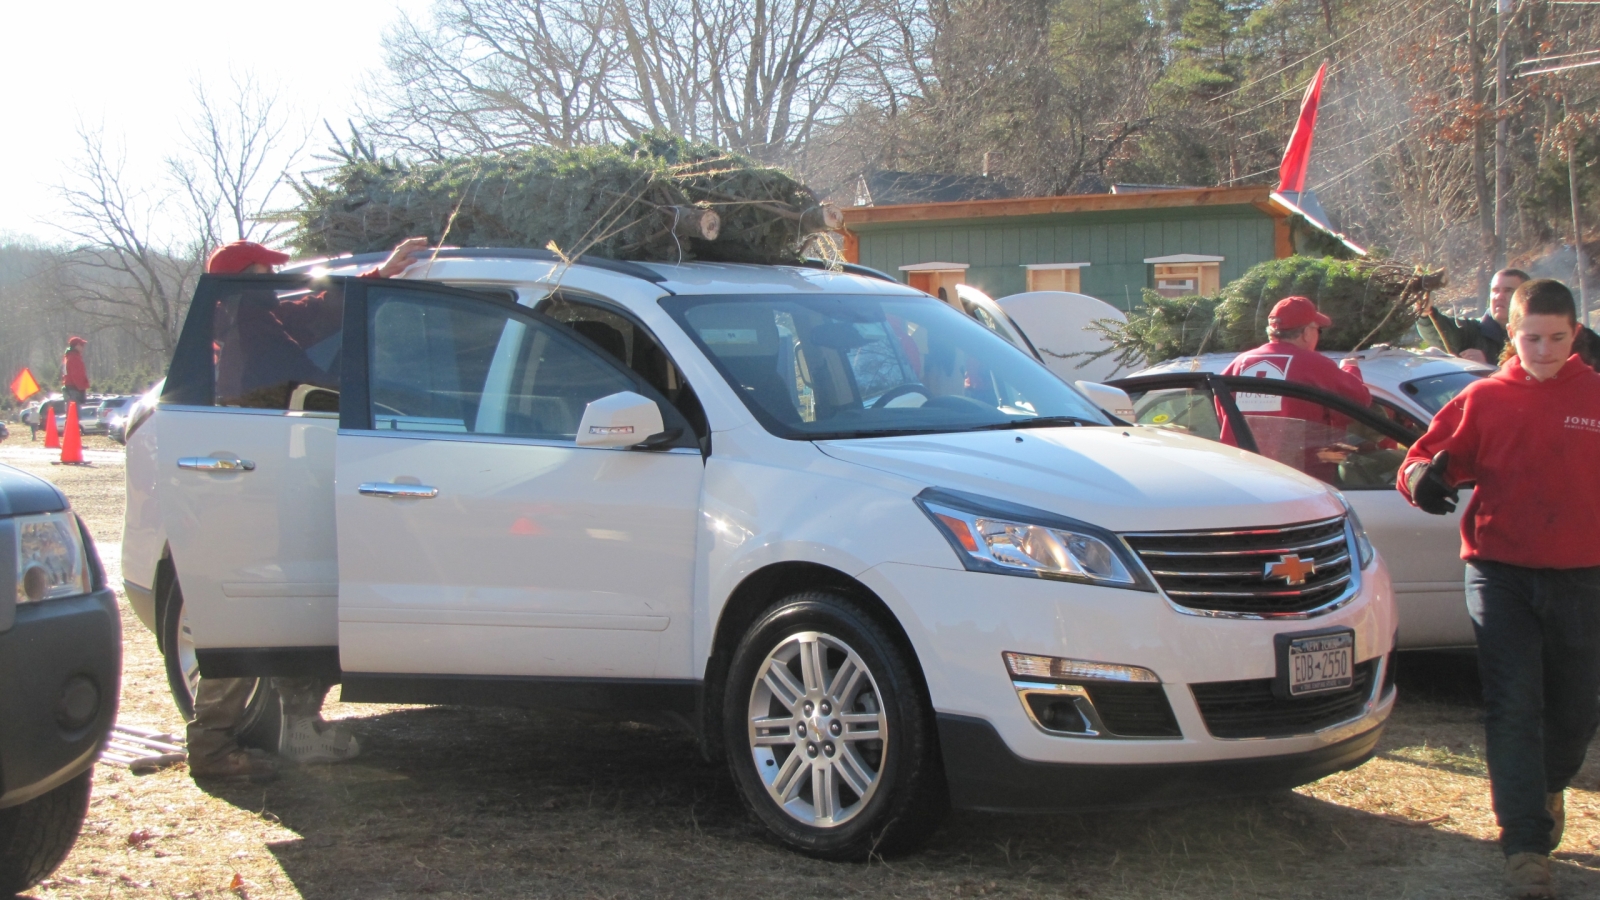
[(1578, 65)]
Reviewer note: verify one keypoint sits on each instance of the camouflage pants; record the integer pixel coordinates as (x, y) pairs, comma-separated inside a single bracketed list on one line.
[(220, 703)]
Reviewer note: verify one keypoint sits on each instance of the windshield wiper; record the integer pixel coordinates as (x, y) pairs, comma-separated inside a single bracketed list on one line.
[(1039, 422)]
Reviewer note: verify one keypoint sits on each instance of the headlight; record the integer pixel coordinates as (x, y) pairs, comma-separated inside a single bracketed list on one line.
[(1006, 539), (1363, 543), (50, 557)]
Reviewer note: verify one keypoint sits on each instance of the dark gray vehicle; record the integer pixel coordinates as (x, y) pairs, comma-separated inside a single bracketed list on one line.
[(60, 676)]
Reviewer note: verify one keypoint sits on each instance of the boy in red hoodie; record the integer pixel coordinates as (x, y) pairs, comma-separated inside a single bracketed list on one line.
[(1527, 437)]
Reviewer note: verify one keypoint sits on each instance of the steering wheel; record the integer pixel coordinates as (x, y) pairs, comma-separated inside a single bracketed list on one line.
[(910, 387)]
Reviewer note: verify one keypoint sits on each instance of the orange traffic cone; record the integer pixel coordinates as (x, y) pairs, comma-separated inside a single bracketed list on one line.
[(72, 441), (52, 438)]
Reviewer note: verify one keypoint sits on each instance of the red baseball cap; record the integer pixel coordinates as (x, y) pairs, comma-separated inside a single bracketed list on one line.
[(1294, 312), (76, 340), (231, 259)]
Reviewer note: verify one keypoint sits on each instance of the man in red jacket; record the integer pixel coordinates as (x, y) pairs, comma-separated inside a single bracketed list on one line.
[(1527, 436), (1298, 433), (74, 374)]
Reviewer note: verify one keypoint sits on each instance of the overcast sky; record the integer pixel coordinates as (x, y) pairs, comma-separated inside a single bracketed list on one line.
[(128, 68)]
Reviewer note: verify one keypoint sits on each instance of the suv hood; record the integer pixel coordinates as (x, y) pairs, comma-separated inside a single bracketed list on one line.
[(1124, 479)]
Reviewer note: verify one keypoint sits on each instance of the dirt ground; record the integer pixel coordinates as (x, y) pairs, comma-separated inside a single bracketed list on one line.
[(491, 803)]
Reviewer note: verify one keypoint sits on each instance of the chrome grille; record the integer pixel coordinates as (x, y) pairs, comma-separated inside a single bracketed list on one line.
[(1227, 571)]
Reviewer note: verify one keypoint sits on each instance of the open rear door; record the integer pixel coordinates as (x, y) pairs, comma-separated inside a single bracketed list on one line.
[(245, 435)]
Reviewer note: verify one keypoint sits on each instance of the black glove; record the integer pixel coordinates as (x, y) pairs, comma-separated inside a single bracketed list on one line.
[(1429, 491)]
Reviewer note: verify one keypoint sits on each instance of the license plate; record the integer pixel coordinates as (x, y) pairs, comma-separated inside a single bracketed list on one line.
[(1316, 663)]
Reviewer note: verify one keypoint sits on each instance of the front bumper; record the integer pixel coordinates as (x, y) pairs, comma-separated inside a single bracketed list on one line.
[(960, 623), (984, 774), (60, 678)]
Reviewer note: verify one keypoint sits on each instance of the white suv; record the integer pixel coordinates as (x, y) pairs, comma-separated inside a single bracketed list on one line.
[(879, 557)]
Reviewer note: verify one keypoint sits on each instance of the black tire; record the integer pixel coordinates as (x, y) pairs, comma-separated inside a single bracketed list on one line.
[(263, 718), (36, 836), (811, 745)]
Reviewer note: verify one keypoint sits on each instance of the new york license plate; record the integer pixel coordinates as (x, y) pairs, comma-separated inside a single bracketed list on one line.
[(1315, 664)]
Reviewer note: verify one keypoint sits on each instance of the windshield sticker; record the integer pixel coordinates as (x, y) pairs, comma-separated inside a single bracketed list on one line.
[(728, 335)]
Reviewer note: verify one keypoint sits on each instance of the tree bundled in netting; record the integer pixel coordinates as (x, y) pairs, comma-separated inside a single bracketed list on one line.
[(655, 198), (1369, 302)]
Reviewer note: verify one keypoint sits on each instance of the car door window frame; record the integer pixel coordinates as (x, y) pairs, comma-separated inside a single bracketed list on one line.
[(192, 375), (355, 408)]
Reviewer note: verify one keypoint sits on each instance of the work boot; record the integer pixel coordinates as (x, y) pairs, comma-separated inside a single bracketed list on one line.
[(1528, 876), (234, 763), (308, 739), (1556, 805)]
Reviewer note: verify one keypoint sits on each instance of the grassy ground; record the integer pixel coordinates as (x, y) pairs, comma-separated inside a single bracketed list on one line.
[(488, 803)]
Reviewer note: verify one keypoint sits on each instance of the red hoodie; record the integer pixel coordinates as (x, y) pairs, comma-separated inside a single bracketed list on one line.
[(1532, 448)]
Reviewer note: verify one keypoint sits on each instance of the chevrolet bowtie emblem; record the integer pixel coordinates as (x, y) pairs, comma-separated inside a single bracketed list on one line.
[(1291, 568)]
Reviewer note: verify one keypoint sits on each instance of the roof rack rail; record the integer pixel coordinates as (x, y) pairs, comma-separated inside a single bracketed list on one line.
[(812, 262), (620, 266)]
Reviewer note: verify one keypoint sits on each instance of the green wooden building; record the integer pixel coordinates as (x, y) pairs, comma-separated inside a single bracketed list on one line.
[(1110, 246)]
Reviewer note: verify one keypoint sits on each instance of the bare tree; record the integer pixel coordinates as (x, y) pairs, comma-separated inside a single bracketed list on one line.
[(239, 151), (757, 76), (118, 276)]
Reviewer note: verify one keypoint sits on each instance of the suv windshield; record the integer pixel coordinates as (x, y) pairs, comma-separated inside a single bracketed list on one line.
[(841, 366), (1433, 393)]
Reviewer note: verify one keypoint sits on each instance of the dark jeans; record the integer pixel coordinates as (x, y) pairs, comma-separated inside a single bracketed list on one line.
[(1539, 656), (76, 395)]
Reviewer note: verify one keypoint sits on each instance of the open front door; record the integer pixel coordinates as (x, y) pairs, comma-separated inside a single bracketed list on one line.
[(475, 537)]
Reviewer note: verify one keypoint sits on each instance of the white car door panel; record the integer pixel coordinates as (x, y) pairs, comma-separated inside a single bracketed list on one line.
[(476, 537), (1425, 566), (245, 483)]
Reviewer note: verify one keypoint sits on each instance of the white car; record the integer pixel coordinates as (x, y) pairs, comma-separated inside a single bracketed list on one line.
[(881, 559), (1408, 387)]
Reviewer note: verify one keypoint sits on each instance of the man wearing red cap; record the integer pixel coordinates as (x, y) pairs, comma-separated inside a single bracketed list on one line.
[(1290, 354), (74, 374), (220, 703)]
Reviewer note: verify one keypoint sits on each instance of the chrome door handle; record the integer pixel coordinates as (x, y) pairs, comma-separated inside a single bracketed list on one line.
[(401, 491), (216, 464)]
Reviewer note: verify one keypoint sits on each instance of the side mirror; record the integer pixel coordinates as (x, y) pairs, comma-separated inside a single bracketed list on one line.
[(1113, 400), (624, 419)]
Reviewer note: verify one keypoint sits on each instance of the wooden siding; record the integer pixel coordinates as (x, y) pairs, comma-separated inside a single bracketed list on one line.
[(1114, 243)]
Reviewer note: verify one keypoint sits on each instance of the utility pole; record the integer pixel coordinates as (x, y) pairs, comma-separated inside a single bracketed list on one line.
[(1502, 130)]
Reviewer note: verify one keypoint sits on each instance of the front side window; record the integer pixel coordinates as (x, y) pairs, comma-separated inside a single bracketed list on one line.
[(840, 366), (457, 366), (278, 348)]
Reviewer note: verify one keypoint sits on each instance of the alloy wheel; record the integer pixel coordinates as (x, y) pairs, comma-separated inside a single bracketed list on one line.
[(817, 730)]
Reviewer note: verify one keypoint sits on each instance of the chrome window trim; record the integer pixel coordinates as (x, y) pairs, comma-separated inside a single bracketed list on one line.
[(1352, 590), (467, 438), (248, 411)]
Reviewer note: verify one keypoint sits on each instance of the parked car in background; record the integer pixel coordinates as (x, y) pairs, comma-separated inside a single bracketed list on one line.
[(880, 558), (114, 414), (132, 415), (60, 676), (1359, 456)]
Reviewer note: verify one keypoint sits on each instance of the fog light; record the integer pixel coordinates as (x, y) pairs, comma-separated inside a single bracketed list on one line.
[(1057, 714), (1023, 665), (78, 704)]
